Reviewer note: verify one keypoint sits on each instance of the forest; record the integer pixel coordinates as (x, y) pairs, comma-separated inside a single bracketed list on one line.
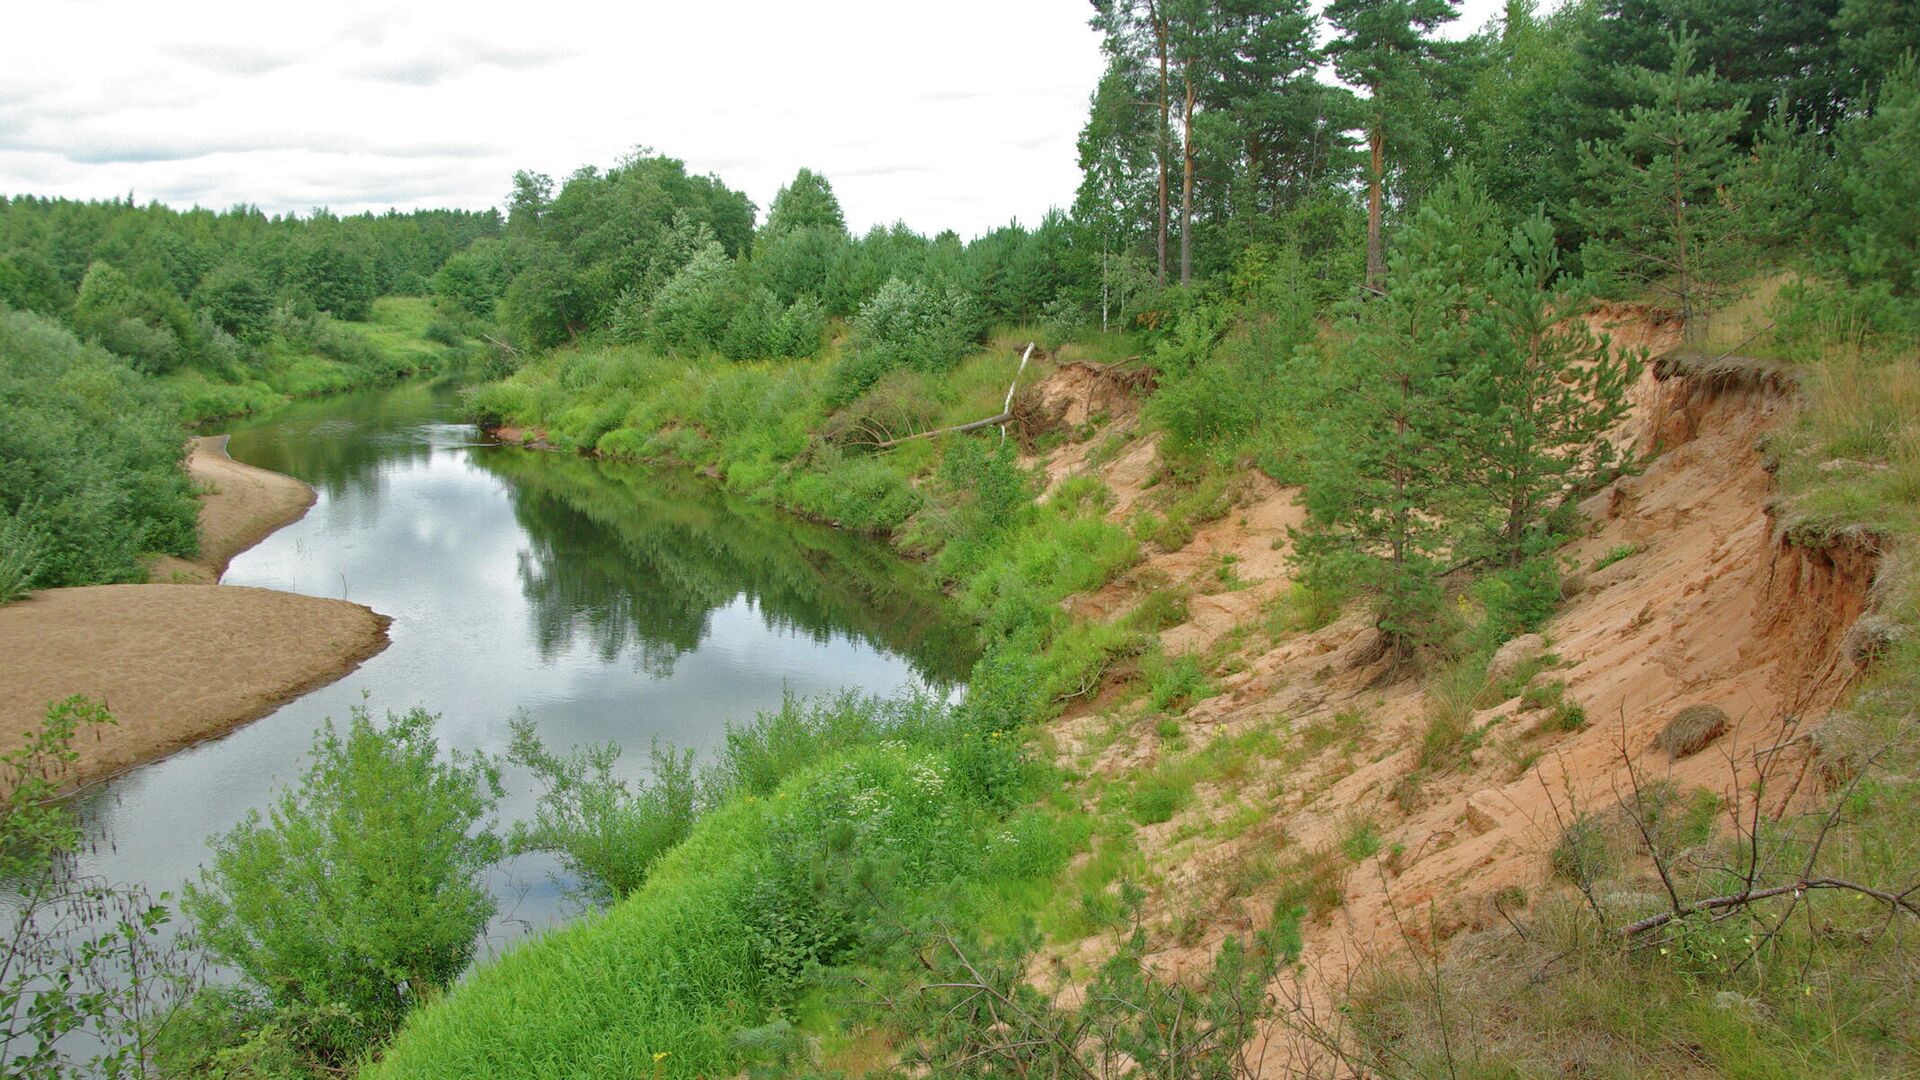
[(1371, 289)]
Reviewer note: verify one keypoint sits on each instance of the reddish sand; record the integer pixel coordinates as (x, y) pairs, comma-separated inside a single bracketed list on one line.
[(1711, 608), (178, 663)]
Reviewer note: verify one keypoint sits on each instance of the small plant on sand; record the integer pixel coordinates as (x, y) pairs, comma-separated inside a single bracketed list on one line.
[(1614, 555), (1362, 840)]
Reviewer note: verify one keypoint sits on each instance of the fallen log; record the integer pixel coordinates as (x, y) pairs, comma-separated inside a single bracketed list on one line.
[(1006, 413)]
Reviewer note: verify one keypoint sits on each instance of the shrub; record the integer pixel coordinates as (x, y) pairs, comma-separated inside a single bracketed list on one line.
[(90, 456), (89, 969), (1157, 798), (1361, 841), (691, 311), (361, 893), (905, 325), (443, 333), (606, 833), (1176, 683), (1519, 600)]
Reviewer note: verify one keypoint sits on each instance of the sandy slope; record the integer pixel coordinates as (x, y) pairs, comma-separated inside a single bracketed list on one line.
[(1711, 608), (177, 663)]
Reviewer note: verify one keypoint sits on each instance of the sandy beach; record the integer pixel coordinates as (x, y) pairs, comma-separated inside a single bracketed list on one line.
[(182, 659)]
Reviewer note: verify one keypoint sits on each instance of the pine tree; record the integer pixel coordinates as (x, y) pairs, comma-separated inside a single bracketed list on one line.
[(1388, 457), (1383, 45), (1537, 400), (1660, 212), (1882, 187)]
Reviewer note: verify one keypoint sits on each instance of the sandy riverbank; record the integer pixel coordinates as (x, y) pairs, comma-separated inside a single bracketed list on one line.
[(242, 507), (178, 663)]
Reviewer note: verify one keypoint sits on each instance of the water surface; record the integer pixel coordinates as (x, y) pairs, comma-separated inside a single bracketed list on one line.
[(606, 602)]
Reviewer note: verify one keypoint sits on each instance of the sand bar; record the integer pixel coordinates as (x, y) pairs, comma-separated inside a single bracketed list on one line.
[(178, 663)]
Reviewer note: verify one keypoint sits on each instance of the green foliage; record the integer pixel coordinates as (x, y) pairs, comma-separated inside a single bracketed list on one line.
[(89, 971), (1881, 237), (1175, 684), (360, 894), (765, 888), (90, 476), (19, 558), (1659, 209), (605, 833), (1518, 599), (1361, 841), (238, 301), (1388, 452), (969, 1008), (759, 756), (691, 311), (471, 282), (907, 325), (806, 202), (1617, 553), (1539, 398), (225, 1033), (987, 494)]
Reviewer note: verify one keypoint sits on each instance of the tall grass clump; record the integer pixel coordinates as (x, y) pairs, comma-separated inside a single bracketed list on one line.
[(725, 932)]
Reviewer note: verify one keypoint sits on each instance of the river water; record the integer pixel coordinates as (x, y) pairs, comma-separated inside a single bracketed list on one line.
[(606, 602)]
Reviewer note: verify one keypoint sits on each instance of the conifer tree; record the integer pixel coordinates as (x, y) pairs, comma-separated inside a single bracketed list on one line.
[(1383, 45), (1388, 458), (1660, 212), (1537, 401)]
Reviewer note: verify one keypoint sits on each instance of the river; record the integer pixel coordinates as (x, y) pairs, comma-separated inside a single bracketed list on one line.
[(606, 602)]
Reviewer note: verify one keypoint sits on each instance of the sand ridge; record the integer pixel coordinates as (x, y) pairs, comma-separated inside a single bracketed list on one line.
[(179, 663)]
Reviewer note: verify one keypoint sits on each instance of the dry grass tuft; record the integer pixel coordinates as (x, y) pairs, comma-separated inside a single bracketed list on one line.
[(1692, 729)]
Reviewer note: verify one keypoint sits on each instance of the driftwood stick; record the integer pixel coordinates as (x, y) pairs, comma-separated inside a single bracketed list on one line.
[(1005, 415), (957, 429)]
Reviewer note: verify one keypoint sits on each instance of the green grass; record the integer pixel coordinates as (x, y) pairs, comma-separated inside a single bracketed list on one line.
[(1616, 554), (1361, 841), (390, 345), (718, 939)]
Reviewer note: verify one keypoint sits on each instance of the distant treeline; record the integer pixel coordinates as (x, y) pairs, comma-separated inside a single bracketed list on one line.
[(644, 252), (168, 289)]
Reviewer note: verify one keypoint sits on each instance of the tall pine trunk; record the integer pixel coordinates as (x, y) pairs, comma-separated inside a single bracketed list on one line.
[(1376, 253), (1186, 190), (1166, 124)]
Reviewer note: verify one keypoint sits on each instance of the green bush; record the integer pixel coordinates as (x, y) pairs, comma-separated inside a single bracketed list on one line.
[(906, 325), (606, 833), (1519, 600), (90, 461), (361, 894)]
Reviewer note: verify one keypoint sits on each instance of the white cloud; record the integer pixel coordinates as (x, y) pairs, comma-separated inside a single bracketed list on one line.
[(958, 116)]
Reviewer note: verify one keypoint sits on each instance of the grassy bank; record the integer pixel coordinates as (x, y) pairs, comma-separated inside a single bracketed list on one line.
[(404, 336), (771, 430), (876, 816)]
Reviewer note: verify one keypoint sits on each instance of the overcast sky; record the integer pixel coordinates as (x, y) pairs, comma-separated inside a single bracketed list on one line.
[(944, 115)]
